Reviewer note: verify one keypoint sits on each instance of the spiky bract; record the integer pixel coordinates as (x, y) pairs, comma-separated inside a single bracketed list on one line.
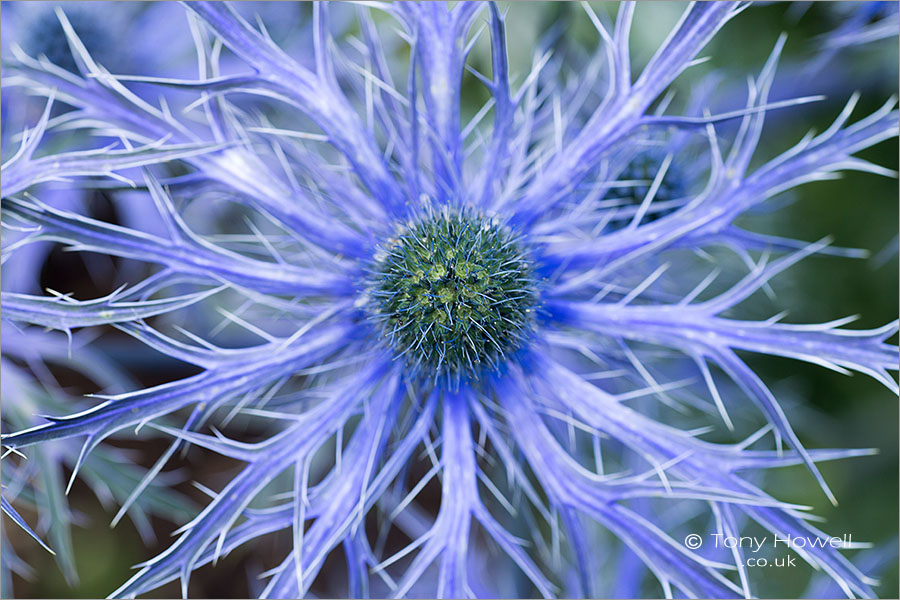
[(45, 37), (640, 176)]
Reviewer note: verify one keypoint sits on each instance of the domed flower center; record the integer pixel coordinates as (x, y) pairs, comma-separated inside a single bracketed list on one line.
[(641, 172), (453, 293)]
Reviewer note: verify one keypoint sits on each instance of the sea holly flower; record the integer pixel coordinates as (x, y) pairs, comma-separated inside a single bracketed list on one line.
[(862, 24), (380, 298), (854, 41)]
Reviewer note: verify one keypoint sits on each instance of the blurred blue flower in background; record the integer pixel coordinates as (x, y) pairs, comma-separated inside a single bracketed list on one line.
[(432, 340)]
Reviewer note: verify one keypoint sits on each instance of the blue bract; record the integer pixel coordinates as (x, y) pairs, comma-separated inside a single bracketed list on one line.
[(44, 36)]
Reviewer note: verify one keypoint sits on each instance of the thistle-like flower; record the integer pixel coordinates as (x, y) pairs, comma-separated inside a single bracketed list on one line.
[(507, 310)]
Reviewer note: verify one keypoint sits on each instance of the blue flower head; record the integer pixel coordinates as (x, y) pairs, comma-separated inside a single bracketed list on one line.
[(524, 310), (453, 293)]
